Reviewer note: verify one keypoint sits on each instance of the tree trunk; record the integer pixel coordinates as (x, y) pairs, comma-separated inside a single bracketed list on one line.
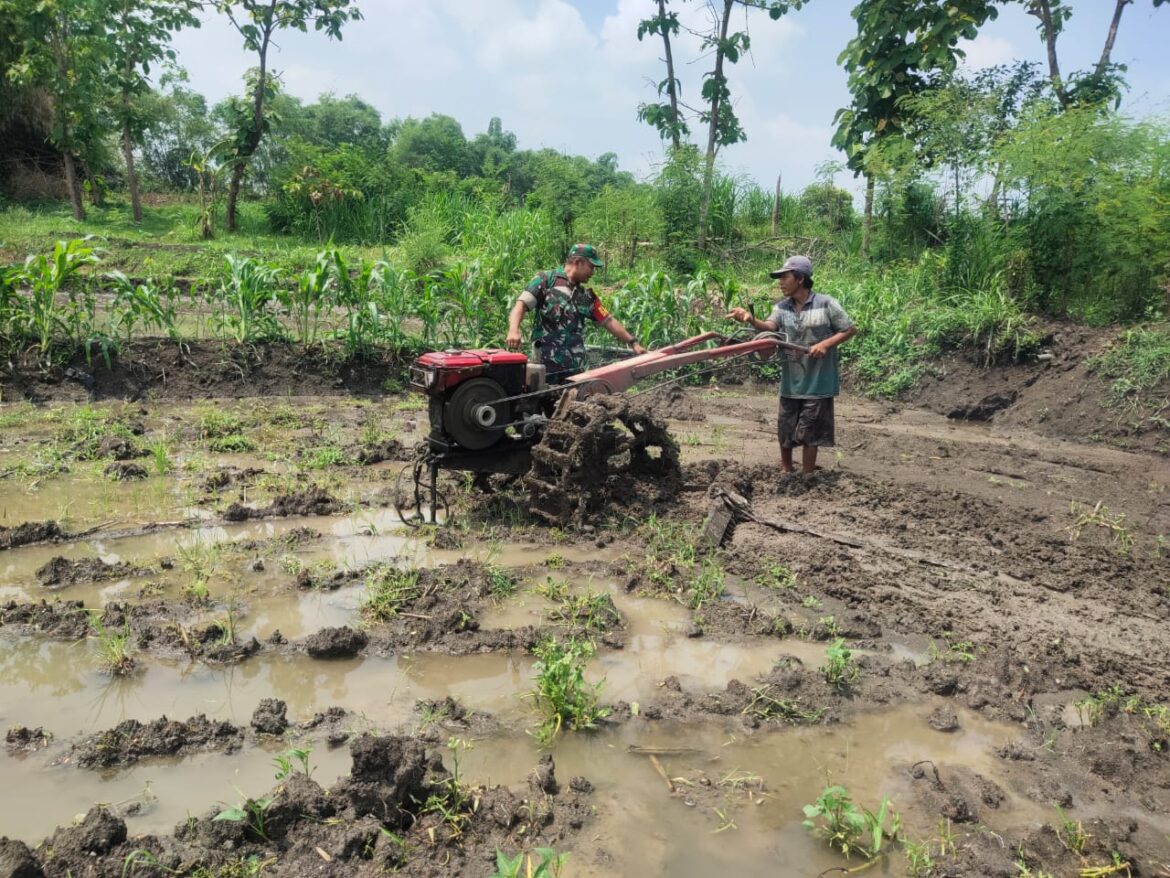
[(1112, 36), (1042, 9), (713, 128), (776, 208), (131, 172), (252, 141), (672, 84), (74, 184), (128, 142), (867, 220), (233, 195)]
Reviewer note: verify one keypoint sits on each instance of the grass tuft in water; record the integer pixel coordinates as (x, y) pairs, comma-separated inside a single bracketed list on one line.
[(561, 693)]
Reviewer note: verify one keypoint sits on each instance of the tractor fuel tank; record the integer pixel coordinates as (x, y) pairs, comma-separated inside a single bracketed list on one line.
[(438, 372)]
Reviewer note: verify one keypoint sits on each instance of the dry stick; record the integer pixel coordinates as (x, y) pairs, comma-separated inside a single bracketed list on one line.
[(658, 767)]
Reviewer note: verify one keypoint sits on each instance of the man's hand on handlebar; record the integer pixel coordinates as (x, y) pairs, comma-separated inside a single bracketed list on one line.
[(513, 340), (742, 315)]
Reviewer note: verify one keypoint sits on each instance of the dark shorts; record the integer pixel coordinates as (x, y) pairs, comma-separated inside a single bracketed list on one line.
[(805, 422)]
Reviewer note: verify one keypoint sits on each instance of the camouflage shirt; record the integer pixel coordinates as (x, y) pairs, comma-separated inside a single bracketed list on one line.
[(560, 310)]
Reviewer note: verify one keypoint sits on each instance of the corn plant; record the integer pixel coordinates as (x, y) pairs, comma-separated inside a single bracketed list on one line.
[(310, 300), (143, 305), (431, 306), (522, 866), (393, 291), (37, 316), (244, 297), (363, 317), (561, 693)]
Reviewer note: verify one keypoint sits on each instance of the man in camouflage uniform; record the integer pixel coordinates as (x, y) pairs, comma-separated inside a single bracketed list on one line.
[(562, 303)]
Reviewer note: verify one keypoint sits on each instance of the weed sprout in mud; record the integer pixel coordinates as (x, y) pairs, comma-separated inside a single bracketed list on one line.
[(116, 648), (840, 669), (251, 813), (453, 800), (286, 763), (849, 827), (561, 694)]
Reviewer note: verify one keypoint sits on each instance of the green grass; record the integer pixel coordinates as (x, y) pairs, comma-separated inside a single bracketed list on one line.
[(171, 227), (1138, 368), (389, 590)]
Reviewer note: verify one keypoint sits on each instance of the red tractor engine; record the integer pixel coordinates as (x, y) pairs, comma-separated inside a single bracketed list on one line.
[(470, 396)]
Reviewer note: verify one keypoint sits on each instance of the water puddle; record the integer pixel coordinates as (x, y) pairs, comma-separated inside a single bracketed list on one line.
[(640, 823), (648, 830)]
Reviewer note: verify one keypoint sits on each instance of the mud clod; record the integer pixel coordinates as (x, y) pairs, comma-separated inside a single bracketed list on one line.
[(944, 719), (62, 571), (311, 501), (270, 717), (99, 833), (333, 643), (386, 778), (17, 861), (122, 471), (543, 778), (65, 619), (31, 532), (24, 739), (132, 740)]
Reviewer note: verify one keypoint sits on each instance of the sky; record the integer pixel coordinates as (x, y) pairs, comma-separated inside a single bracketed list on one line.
[(570, 74)]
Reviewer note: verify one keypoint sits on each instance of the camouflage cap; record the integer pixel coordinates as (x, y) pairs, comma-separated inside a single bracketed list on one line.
[(585, 251)]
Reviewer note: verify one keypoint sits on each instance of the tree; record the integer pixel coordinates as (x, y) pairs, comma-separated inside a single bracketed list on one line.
[(665, 117), (1101, 84), (435, 143), (257, 21), (333, 121), (723, 128), (491, 152), (140, 36), (176, 125), (959, 121), (65, 50), (898, 43)]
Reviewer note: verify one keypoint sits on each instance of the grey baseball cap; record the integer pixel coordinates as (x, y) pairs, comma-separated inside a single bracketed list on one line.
[(794, 263)]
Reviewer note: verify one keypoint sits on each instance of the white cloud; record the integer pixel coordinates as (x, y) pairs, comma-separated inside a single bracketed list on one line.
[(988, 51)]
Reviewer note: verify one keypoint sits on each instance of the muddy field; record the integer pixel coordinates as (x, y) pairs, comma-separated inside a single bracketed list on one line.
[(222, 653)]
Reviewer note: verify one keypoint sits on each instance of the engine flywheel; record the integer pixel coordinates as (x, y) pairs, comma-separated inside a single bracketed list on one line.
[(470, 420)]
